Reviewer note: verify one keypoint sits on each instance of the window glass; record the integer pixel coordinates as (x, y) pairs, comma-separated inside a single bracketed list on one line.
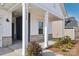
[(40, 27)]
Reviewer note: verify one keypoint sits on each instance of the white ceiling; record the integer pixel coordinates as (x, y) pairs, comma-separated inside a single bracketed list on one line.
[(17, 11), (39, 13), (6, 6)]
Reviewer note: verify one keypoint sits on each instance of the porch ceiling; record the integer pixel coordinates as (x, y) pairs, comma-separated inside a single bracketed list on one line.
[(18, 11), (53, 17), (6, 6), (15, 8), (36, 11), (39, 13)]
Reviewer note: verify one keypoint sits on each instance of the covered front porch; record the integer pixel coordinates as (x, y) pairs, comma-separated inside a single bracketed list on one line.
[(9, 23), (44, 26)]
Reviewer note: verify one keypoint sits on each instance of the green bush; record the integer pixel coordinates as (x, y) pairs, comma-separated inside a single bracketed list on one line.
[(71, 44), (58, 43), (66, 39), (58, 39), (68, 46), (34, 49), (63, 43), (63, 49)]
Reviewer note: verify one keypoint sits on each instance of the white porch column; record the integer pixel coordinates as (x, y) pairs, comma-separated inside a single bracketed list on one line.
[(25, 28), (46, 30)]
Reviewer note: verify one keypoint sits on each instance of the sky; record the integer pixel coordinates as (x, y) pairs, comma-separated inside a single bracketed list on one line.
[(72, 9)]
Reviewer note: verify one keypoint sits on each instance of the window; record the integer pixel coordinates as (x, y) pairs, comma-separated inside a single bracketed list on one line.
[(40, 27)]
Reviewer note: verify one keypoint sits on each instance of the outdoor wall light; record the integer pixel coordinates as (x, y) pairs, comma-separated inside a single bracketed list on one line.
[(7, 20)]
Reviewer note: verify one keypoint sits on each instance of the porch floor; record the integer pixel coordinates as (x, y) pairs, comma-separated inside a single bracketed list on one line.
[(13, 50), (50, 42)]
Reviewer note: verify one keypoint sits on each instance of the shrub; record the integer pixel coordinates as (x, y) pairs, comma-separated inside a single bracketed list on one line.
[(63, 42), (71, 44), (58, 43), (63, 49), (66, 39), (58, 39), (34, 49), (68, 46)]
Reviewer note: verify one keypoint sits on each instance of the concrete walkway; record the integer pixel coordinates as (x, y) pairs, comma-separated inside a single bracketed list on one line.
[(13, 50), (50, 53)]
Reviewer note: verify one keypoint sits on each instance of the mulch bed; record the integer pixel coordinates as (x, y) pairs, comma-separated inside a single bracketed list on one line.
[(72, 52)]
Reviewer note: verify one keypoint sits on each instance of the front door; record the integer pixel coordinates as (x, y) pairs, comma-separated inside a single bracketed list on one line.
[(12, 32), (19, 28)]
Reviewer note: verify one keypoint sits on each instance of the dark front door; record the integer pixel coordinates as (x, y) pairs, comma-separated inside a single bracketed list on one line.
[(12, 32), (19, 28)]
